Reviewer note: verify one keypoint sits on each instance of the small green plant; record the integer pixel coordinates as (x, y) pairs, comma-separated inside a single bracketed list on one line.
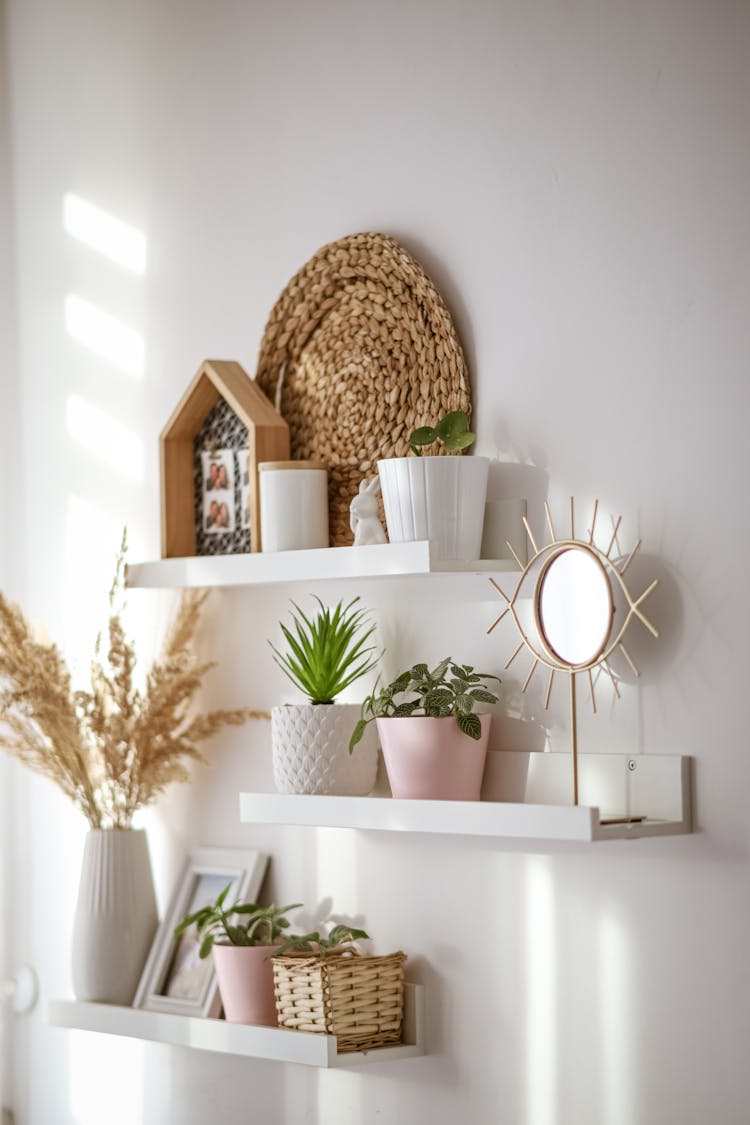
[(330, 652), (341, 937), (258, 925), (452, 431), (449, 689)]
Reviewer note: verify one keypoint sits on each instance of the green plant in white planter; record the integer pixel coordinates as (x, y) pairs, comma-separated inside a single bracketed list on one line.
[(434, 743), (452, 433), (436, 497), (326, 654), (243, 937)]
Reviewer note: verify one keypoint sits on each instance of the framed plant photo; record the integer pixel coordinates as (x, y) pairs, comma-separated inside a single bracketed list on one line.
[(175, 979)]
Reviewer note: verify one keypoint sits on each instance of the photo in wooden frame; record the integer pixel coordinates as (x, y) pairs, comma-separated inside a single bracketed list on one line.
[(223, 387)]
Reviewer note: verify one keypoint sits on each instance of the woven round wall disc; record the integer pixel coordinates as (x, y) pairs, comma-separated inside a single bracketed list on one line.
[(367, 352)]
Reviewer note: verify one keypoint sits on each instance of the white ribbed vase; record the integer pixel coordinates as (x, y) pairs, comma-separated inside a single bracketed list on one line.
[(437, 498), (311, 750), (115, 918)]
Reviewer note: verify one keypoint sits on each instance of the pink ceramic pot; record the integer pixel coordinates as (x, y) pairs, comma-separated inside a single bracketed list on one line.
[(245, 976), (433, 759)]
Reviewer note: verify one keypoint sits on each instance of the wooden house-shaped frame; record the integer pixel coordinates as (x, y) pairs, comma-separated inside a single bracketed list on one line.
[(268, 439)]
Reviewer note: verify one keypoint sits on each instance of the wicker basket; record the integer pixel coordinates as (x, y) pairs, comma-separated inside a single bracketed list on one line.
[(358, 999), (365, 351)]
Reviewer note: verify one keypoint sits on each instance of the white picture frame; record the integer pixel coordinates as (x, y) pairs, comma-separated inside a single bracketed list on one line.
[(174, 979)]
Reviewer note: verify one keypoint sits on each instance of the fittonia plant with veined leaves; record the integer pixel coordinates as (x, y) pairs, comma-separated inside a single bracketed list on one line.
[(451, 432), (450, 689), (341, 938)]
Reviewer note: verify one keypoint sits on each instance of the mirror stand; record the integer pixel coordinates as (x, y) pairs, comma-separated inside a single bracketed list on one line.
[(582, 609)]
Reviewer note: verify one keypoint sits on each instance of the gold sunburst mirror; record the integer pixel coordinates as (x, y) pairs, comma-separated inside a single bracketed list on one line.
[(572, 607)]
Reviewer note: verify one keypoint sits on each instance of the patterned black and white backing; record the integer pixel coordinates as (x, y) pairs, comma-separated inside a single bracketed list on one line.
[(222, 433)]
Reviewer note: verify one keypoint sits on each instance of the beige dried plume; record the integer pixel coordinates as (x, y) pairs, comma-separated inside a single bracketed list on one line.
[(113, 748)]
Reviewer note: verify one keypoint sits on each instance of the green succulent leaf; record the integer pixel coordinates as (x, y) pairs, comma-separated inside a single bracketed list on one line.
[(329, 652)]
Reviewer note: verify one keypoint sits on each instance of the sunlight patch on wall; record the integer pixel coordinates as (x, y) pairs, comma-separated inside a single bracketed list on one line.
[(337, 868), (615, 1023), (541, 994), (104, 335), (106, 1079), (92, 538), (102, 232), (106, 438)]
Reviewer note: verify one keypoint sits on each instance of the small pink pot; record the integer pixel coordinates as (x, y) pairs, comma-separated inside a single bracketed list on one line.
[(245, 976), (432, 759)]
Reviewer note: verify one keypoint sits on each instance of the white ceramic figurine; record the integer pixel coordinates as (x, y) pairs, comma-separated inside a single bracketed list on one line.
[(363, 516)]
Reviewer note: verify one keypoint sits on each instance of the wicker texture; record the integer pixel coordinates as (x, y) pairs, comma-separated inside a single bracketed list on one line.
[(367, 351), (358, 999)]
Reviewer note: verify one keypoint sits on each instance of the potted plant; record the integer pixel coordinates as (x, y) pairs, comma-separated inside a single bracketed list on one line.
[(324, 985), (325, 655), (112, 748), (434, 744), (243, 938), (437, 497)]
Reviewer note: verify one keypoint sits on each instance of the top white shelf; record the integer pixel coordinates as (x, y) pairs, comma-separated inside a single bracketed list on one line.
[(381, 560)]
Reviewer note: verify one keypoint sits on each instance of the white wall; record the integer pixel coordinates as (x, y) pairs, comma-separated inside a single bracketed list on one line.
[(575, 178)]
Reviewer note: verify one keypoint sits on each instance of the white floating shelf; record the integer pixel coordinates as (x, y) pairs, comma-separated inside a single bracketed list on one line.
[(269, 1043), (657, 789), (382, 560)]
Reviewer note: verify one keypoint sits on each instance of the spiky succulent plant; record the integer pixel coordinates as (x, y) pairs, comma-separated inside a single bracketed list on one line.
[(328, 652)]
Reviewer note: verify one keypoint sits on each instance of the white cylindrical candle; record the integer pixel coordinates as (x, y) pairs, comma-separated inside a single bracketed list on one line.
[(293, 505)]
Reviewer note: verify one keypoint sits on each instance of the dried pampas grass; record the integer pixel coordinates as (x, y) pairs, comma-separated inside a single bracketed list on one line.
[(114, 748)]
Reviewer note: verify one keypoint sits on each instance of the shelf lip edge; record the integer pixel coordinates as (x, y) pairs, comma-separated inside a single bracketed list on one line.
[(285, 1045), (418, 816), (381, 560)]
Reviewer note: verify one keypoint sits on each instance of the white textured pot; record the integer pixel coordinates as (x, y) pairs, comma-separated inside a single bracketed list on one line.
[(310, 744), (437, 498), (115, 918)]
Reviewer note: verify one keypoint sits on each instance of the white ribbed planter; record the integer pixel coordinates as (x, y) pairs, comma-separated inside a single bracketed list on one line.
[(311, 750), (437, 498), (115, 918)]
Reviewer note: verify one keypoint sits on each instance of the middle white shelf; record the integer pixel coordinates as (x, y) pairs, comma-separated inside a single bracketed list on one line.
[(625, 798)]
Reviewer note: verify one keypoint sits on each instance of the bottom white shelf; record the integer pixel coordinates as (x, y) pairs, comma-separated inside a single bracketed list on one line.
[(270, 1043)]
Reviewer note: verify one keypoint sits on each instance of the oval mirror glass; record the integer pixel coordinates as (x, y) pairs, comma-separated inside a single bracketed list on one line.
[(575, 606)]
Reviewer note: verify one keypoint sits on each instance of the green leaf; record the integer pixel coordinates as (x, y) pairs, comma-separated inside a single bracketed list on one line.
[(424, 435), (470, 725), (460, 441), (206, 946), (454, 423), (481, 695), (237, 935), (223, 895), (405, 710), (357, 734), (343, 933)]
